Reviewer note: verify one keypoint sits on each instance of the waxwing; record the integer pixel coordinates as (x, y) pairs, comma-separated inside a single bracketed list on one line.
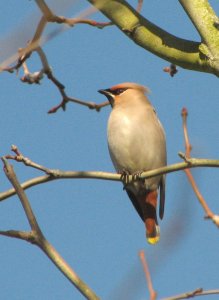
[(136, 141)]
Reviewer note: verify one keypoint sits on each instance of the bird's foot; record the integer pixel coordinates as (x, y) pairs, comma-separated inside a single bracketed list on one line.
[(137, 176), (125, 177)]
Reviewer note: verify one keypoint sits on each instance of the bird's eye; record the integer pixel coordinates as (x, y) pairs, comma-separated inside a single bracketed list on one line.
[(119, 91)]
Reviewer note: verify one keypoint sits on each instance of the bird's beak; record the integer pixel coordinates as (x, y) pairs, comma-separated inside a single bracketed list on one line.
[(108, 94)]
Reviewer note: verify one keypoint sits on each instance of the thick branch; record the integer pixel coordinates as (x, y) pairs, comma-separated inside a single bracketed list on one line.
[(178, 51), (206, 22)]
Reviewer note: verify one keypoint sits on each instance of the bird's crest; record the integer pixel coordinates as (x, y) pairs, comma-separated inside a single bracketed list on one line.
[(130, 85)]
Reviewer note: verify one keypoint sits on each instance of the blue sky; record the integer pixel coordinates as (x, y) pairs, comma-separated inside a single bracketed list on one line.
[(91, 222)]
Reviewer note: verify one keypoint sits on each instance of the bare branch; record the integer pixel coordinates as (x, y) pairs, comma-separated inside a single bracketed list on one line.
[(139, 7), (192, 294), (65, 99), (188, 147), (20, 158), (46, 11), (38, 40), (59, 174), (27, 184), (152, 292), (36, 236), (9, 172), (63, 266), (25, 53), (22, 235), (51, 17)]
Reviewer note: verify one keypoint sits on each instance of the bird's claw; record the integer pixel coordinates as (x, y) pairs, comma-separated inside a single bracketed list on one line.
[(137, 176), (124, 177)]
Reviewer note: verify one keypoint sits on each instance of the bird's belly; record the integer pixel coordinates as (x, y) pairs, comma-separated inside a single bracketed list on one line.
[(133, 148), (123, 154)]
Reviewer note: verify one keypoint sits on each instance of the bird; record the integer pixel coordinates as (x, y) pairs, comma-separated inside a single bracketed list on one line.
[(137, 143)]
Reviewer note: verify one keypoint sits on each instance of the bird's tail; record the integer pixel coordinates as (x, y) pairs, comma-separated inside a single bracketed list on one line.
[(153, 237), (150, 218), (145, 203)]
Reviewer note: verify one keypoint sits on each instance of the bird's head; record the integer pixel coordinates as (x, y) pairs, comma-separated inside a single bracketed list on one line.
[(123, 91)]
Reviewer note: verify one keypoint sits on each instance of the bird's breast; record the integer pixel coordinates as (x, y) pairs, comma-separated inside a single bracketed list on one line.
[(136, 141)]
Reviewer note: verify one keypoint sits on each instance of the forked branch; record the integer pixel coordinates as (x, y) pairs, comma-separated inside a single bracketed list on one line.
[(36, 236), (191, 55)]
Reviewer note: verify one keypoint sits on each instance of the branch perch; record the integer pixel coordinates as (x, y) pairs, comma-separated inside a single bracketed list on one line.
[(59, 174)]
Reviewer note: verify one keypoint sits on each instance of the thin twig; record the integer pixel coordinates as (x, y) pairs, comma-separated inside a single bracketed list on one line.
[(22, 235), (192, 294), (65, 99), (20, 158), (51, 17), (188, 148), (90, 105), (152, 292), (39, 40), (9, 172), (25, 53), (34, 45), (139, 6)]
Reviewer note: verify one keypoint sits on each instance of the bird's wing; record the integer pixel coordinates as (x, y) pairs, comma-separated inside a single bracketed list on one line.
[(162, 196), (135, 204)]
